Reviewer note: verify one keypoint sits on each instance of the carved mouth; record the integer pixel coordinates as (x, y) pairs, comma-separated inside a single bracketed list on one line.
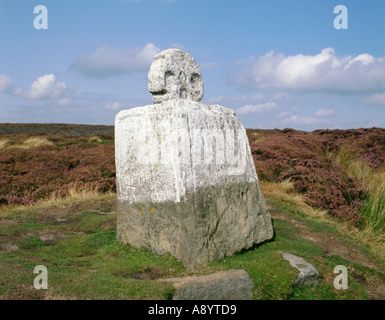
[(159, 93)]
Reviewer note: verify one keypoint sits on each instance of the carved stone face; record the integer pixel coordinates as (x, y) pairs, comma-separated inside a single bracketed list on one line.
[(175, 75)]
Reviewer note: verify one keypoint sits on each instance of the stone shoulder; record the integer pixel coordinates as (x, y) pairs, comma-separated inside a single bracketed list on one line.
[(174, 107)]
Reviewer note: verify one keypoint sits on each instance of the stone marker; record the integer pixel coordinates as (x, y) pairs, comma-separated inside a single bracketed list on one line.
[(186, 181), (308, 274), (226, 285)]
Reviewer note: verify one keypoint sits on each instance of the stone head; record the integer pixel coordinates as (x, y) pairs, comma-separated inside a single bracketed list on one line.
[(174, 74)]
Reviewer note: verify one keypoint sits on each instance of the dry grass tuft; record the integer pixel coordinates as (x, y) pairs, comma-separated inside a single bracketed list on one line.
[(29, 143), (95, 140), (371, 180), (74, 195), (37, 142), (285, 191), (78, 194), (4, 143)]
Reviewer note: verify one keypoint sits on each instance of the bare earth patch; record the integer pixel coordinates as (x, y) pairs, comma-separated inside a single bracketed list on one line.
[(51, 236), (331, 245), (7, 247), (22, 292), (7, 222), (148, 274)]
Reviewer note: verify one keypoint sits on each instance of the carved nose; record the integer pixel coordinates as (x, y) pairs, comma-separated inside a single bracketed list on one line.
[(182, 78), (183, 93)]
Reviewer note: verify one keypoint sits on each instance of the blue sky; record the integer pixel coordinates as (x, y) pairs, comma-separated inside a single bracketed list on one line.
[(277, 63)]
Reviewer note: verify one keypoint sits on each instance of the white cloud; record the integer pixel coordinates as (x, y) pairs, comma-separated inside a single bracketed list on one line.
[(178, 46), (305, 73), (297, 120), (47, 88), (280, 96), (284, 114), (240, 99), (117, 105), (215, 100), (6, 83), (43, 88), (106, 61), (64, 101), (258, 108), (293, 119), (376, 99), (326, 113)]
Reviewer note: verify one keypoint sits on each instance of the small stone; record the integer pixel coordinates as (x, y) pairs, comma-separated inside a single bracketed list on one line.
[(308, 274), (227, 285)]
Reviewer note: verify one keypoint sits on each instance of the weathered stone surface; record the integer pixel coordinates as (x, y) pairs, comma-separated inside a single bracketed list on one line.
[(166, 150), (210, 224), (308, 274), (227, 285), (186, 181), (175, 75)]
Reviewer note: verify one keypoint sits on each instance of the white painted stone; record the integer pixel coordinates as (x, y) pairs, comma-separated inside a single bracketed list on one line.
[(186, 181), (168, 149)]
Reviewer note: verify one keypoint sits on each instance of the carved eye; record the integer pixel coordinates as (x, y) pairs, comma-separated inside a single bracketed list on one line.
[(194, 77), (168, 76)]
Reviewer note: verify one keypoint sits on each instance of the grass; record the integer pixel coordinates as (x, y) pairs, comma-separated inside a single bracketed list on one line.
[(4, 143), (56, 128), (74, 235), (84, 261), (284, 197), (75, 239), (95, 140), (285, 192), (28, 143), (373, 208), (74, 195), (373, 181), (23, 141)]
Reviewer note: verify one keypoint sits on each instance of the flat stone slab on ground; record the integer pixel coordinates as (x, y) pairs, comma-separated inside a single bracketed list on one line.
[(308, 276), (233, 284)]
